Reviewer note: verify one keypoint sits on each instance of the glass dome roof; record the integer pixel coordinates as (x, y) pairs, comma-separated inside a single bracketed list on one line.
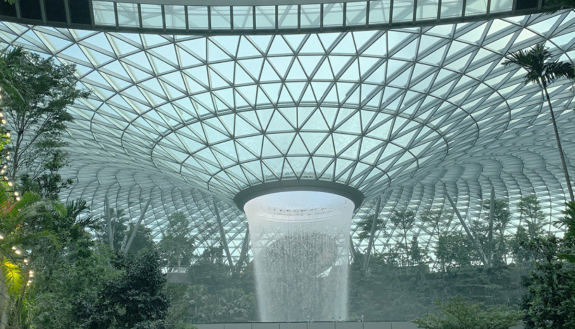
[(403, 115)]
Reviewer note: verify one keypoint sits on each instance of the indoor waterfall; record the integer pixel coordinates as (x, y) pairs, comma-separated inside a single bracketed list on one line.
[(300, 242)]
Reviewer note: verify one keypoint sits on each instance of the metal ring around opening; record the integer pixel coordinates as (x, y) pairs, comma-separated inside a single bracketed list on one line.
[(252, 192)]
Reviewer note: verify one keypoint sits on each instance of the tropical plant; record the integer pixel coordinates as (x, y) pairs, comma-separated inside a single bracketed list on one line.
[(550, 298), (37, 118), (530, 211), (568, 222), (122, 229), (454, 250), (365, 225), (20, 224), (543, 70), (494, 247), (71, 279), (437, 219), (458, 313), (176, 247), (135, 299), (404, 220)]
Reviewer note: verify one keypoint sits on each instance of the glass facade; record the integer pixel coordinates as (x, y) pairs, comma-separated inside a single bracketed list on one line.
[(405, 116)]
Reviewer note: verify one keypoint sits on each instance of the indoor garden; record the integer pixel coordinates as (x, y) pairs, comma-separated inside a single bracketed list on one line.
[(170, 164)]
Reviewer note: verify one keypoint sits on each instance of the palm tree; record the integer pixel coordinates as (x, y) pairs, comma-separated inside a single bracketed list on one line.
[(541, 69)]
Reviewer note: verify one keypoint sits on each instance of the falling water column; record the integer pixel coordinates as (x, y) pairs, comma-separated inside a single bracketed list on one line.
[(300, 245)]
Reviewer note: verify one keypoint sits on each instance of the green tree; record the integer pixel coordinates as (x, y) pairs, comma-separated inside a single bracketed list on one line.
[(37, 118), (135, 299), (550, 298), (494, 242), (404, 220), (176, 247), (543, 70), (72, 279), (568, 222), (517, 245), (417, 253), (234, 305), (458, 313), (531, 214), (365, 225), (437, 219), (454, 249), (122, 229), (530, 211)]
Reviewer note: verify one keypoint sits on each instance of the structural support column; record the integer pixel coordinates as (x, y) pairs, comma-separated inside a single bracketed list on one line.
[(223, 235), (108, 221), (351, 248), (244, 251), (469, 234), (491, 214), (135, 231), (372, 235)]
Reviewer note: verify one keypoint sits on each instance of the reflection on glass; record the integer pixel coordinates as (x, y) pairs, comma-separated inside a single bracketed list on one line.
[(332, 14), (152, 16), (355, 14), (104, 13), (175, 17), (128, 14), (265, 17), (451, 8), (243, 18), (426, 9), (501, 5), (476, 7), (287, 16), (379, 11), (221, 17), (402, 11), (198, 17), (310, 15)]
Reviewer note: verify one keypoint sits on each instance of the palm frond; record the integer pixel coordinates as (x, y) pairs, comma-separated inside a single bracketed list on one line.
[(536, 61), (557, 70), (12, 276), (75, 208), (520, 57), (532, 77)]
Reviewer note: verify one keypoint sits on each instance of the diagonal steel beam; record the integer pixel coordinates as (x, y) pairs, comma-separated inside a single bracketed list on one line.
[(245, 247), (491, 215), (135, 231), (108, 221), (223, 234), (352, 248), (371, 235), (469, 233)]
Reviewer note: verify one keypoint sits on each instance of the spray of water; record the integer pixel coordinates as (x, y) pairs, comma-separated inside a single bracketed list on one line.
[(300, 244)]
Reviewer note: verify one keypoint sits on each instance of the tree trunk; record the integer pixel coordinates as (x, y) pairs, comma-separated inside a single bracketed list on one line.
[(567, 179)]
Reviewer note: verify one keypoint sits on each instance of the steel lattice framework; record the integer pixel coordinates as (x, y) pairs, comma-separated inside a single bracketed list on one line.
[(403, 115)]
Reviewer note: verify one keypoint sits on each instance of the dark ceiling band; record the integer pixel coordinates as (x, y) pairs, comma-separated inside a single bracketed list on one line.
[(299, 185)]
